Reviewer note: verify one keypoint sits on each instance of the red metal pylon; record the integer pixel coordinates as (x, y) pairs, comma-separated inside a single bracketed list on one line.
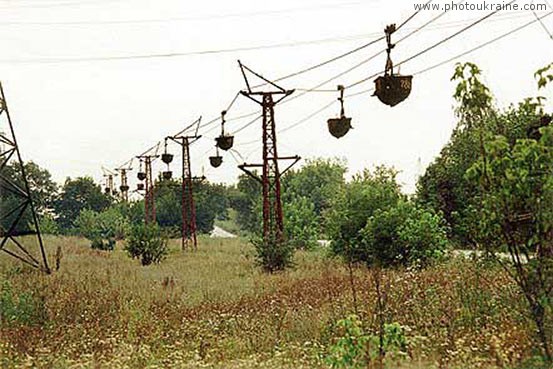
[(189, 238), (124, 187), (273, 223), (149, 189)]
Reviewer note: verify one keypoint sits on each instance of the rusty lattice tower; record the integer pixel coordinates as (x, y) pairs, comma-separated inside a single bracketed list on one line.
[(124, 186), (188, 208), (273, 223), (149, 188)]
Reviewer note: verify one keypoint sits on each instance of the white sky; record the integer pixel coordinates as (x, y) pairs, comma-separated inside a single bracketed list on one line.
[(75, 117)]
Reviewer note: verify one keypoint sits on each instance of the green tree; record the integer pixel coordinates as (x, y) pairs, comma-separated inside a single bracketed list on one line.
[(319, 181), (359, 199), (246, 200), (515, 184), (301, 223), (210, 201), (43, 192), (444, 186), (77, 195)]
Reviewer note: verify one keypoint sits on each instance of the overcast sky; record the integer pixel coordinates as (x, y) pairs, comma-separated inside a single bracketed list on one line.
[(75, 116)]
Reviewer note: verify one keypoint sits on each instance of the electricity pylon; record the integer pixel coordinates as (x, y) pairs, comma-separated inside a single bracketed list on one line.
[(15, 199)]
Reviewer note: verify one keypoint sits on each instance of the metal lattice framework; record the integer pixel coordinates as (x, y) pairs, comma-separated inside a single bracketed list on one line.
[(149, 189), (188, 208), (16, 188), (273, 223), (124, 186)]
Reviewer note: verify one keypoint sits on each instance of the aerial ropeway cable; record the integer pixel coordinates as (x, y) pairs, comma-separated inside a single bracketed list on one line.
[(391, 88)]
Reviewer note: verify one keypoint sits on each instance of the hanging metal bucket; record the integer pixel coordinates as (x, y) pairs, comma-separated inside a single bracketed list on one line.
[(167, 158), (216, 161), (167, 175), (392, 89), (140, 187), (225, 142), (141, 176), (338, 127), (124, 188)]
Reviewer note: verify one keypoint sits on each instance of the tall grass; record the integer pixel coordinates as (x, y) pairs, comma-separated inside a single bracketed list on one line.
[(214, 308)]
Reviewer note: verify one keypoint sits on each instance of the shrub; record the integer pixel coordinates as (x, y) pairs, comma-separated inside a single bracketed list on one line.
[(102, 228), (355, 348), (403, 234), (358, 201), (48, 225), (273, 256), (146, 244), (23, 309)]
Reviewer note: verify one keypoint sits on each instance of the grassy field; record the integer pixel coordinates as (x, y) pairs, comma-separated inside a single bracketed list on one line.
[(214, 309)]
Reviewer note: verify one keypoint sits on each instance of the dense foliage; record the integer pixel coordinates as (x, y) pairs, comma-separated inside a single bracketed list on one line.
[(146, 244), (43, 190), (103, 228), (77, 195), (494, 183), (373, 223), (210, 200)]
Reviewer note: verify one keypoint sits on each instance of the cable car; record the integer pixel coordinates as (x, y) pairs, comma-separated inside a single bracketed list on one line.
[(216, 160), (224, 141), (338, 127), (391, 89)]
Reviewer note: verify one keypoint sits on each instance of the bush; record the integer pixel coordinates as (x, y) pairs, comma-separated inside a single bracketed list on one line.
[(48, 225), (356, 204), (103, 244), (273, 256), (24, 308), (146, 244), (102, 228), (403, 234), (356, 348)]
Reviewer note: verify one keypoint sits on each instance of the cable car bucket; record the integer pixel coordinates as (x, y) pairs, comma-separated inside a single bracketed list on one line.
[(216, 160), (224, 141), (338, 127), (141, 175), (167, 159), (391, 89)]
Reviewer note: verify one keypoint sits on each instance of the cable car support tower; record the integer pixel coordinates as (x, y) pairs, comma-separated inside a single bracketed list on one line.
[(124, 187), (273, 222), (149, 200), (189, 239)]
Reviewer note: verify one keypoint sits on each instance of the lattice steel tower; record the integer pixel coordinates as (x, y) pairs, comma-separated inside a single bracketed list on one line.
[(17, 211), (273, 223)]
